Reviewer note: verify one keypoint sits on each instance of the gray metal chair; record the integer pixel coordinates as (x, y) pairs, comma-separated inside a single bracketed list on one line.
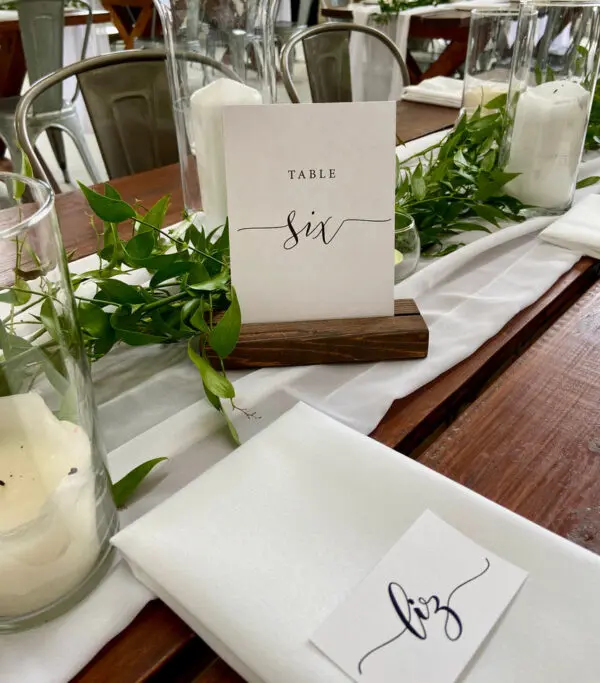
[(327, 55), (41, 23), (129, 104)]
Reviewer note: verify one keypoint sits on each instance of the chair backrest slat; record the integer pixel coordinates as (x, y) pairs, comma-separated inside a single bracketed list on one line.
[(327, 59), (41, 23), (130, 109)]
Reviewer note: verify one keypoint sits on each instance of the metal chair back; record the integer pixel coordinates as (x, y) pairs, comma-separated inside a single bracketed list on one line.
[(128, 100), (41, 24), (327, 54)]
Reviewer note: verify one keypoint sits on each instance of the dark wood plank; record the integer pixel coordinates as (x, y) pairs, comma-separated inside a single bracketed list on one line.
[(219, 672), (412, 421), (351, 340), (157, 638), (532, 441), (415, 119)]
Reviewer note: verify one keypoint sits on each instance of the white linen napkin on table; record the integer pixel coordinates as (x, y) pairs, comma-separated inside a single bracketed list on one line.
[(258, 551), (578, 229), (440, 90)]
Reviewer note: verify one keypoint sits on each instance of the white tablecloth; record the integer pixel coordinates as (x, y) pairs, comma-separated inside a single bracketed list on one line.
[(150, 405)]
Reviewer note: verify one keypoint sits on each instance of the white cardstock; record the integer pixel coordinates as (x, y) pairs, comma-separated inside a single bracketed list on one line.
[(310, 200), (424, 610)]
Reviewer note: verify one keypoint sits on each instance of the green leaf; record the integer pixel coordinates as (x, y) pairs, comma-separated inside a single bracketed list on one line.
[(214, 381), (586, 182), (549, 74), (110, 191), (219, 282), (583, 51), (171, 271), (198, 274), (155, 217), (498, 102), (126, 487), (140, 246), (224, 336), (418, 185), (120, 292), (488, 213), (107, 208), (49, 318), (539, 77), (126, 329), (215, 401), (198, 322), (93, 320), (26, 171)]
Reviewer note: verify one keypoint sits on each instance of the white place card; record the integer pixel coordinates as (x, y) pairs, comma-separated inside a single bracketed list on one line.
[(310, 199), (424, 610)]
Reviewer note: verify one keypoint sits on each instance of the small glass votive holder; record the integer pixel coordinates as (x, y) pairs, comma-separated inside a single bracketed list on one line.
[(407, 245), (492, 34), (553, 79)]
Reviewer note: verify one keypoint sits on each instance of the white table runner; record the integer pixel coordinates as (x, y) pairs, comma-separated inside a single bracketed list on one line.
[(150, 405)]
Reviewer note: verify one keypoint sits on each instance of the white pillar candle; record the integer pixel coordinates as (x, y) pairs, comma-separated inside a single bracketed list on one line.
[(479, 93), (206, 106), (547, 142), (48, 536)]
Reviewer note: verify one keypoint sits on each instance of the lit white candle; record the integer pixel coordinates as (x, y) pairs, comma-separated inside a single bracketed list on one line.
[(547, 142), (48, 537), (479, 93), (206, 106)]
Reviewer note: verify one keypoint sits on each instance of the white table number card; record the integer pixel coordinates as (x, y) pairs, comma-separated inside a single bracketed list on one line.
[(310, 198), (424, 610)]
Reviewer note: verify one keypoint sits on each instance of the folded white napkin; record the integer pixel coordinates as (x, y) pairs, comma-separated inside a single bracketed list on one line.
[(259, 550), (440, 90), (579, 229)]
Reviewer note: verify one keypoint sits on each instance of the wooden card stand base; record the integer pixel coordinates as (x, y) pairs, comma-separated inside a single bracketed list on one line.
[(351, 340)]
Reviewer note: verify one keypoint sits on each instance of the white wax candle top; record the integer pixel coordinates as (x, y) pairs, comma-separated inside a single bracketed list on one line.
[(224, 92), (206, 106)]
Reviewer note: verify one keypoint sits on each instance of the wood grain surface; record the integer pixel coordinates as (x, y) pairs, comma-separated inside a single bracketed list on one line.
[(532, 441), (351, 340)]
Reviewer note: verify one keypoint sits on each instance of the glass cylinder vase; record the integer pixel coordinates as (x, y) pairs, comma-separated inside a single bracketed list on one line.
[(492, 33), (553, 78), (56, 510), (219, 53)]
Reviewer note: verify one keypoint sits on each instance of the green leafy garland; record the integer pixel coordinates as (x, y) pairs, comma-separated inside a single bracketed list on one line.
[(457, 184), (390, 8)]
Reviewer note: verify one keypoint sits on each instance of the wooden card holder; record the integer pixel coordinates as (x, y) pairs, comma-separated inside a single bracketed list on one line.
[(352, 340)]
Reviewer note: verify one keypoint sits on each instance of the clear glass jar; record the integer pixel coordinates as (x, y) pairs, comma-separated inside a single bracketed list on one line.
[(56, 510), (492, 34), (239, 37), (407, 245), (553, 78)]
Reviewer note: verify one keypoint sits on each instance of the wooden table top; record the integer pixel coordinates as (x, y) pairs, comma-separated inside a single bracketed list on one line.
[(530, 442), (74, 18)]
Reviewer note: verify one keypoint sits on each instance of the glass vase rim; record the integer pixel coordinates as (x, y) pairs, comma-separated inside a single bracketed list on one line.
[(41, 212), (508, 11)]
